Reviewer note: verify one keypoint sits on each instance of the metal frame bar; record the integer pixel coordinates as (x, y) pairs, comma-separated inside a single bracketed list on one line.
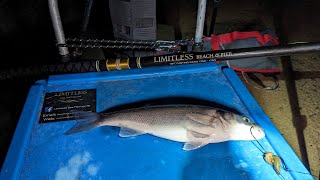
[(201, 16), (57, 26)]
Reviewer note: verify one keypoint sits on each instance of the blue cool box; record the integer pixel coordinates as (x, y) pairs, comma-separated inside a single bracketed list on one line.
[(42, 151)]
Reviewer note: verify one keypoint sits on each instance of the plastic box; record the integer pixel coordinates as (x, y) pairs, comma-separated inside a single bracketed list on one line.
[(42, 151), (134, 19)]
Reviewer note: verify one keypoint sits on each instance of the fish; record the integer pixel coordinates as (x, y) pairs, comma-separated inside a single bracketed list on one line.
[(195, 126)]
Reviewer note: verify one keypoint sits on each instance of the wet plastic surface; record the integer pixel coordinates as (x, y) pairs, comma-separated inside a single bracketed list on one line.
[(42, 151)]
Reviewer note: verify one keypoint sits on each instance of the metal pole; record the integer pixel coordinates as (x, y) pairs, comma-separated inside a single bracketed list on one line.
[(86, 17), (201, 15), (216, 4), (57, 26)]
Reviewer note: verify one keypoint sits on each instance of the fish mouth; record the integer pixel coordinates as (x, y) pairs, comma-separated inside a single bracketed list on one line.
[(257, 132)]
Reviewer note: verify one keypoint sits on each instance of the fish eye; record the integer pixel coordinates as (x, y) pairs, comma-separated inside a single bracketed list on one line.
[(246, 119)]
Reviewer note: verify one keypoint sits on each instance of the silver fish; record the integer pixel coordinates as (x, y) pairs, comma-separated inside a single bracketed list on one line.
[(196, 126)]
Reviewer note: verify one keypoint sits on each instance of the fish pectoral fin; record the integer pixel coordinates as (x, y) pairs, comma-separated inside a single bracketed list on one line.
[(193, 145), (195, 134), (212, 112), (225, 124), (126, 132), (201, 118)]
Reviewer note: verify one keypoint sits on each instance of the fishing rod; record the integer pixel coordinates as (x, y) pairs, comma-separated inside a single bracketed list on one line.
[(124, 44), (162, 60), (209, 56)]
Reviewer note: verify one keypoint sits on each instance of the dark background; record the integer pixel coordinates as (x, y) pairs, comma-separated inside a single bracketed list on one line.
[(27, 39)]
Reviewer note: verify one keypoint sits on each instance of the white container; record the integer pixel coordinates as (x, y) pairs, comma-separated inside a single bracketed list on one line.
[(133, 19)]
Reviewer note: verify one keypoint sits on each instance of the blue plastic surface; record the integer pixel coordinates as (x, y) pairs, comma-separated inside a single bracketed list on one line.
[(42, 151)]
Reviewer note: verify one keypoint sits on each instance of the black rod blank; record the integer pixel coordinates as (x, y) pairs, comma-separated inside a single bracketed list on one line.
[(270, 51), (169, 59), (230, 54)]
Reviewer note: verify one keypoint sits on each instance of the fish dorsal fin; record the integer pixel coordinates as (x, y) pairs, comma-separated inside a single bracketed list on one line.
[(126, 132), (195, 134), (193, 145), (201, 118)]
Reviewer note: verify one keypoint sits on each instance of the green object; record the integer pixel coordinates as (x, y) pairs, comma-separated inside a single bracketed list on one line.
[(276, 163)]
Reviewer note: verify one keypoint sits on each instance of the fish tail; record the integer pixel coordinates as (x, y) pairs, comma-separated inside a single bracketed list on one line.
[(85, 121)]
